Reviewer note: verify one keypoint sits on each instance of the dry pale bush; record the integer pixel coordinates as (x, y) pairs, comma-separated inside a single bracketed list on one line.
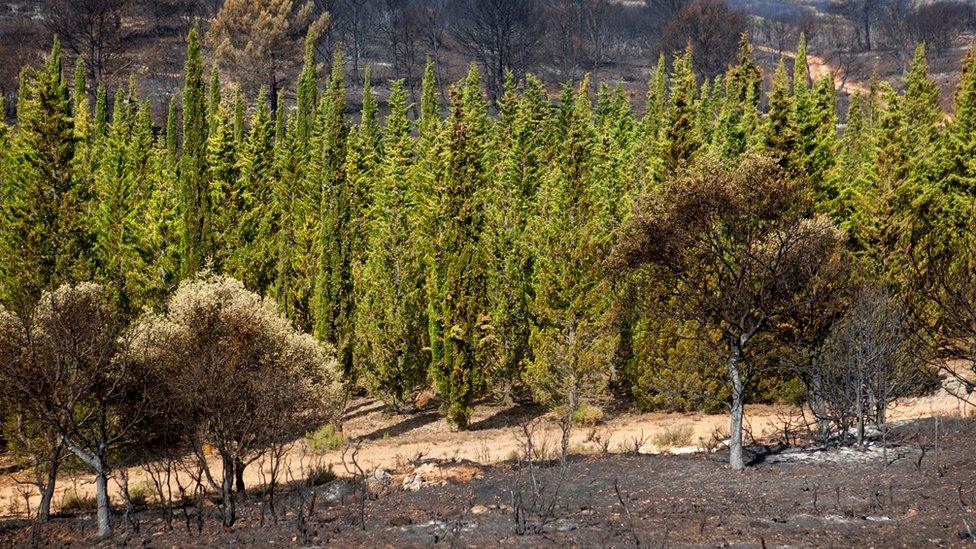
[(242, 379)]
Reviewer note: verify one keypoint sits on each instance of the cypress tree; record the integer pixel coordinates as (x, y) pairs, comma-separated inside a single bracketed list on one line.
[(681, 141), (743, 85), (197, 239), (571, 338), (392, 317), (512, 196), (779, 129), (334, 302), (252, 249), (853, 174), (961, 131), (223, 174), (122, 191), (461, 292), (45, 239), (427, 173)]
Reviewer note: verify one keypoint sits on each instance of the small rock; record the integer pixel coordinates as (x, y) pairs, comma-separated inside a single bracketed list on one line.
[(427, 469), (382, 475), (479, 510), (335, 491), (564, 525), (413, 483)]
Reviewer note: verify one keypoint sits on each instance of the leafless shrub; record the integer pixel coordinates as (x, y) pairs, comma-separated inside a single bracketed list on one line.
[(534, 498)]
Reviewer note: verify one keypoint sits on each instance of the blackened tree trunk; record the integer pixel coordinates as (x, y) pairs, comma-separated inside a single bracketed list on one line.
[(47, 488)]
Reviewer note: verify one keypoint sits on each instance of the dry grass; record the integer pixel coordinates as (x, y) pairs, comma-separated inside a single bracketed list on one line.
[(673, 436)]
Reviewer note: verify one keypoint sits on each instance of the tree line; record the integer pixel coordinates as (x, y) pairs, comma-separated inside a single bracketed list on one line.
[(727, 244)]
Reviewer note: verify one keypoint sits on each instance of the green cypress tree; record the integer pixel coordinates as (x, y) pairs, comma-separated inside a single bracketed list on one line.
[(307, 91), (743, 85), (334, 305), (45, 238), (123, 194), (571, 337), (196, 246), (961, 131), (681, 141), (223, 173), (461, 292), (779, 130), (512, 196), (392, 315), (252, 249)]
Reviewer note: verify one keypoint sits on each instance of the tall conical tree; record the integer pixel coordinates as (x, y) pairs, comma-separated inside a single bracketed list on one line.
[(779, 130), (571, 336), (743, 85), (45, 240), (461, 293), (334, 305), (392, 314), (223, 173), (252, 250), (681, 141), (512, 196), (197, 239), (123, 192), (961, 138)]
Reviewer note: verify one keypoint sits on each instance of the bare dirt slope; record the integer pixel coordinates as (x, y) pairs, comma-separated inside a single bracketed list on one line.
[(925, 496), (390, 440)]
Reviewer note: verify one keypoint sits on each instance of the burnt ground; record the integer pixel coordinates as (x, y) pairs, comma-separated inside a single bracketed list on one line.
[(927, 496)]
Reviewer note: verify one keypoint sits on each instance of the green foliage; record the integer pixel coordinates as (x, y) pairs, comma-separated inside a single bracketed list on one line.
[(459, 292), (45, 237), (340, 212), (325, 439), (196, 244), (570, 337), (468, 251), (391, 326)]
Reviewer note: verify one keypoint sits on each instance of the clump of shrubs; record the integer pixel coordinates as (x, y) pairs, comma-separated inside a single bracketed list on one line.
[(73, 502), (325, 439), (320, 474), (673, 436)]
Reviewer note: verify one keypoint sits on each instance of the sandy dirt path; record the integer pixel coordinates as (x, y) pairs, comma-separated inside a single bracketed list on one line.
[(388, 441), (819, 68)]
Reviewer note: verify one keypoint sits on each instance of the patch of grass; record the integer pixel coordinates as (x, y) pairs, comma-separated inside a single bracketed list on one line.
[(320, 474), (140, 494), (325, 439), (73, 502), (673, 436), (587, 415)]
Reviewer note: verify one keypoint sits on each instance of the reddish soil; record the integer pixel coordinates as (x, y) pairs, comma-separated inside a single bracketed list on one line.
[(926, 496)]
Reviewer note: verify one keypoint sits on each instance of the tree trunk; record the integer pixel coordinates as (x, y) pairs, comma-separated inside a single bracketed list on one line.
[(867, 26), (47, 490), (227, 491), (738, 405), (817, 405), (239, 475), (100, 467), (101, 496)]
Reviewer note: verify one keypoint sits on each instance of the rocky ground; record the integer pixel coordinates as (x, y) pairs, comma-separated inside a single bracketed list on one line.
[(925, 495)]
